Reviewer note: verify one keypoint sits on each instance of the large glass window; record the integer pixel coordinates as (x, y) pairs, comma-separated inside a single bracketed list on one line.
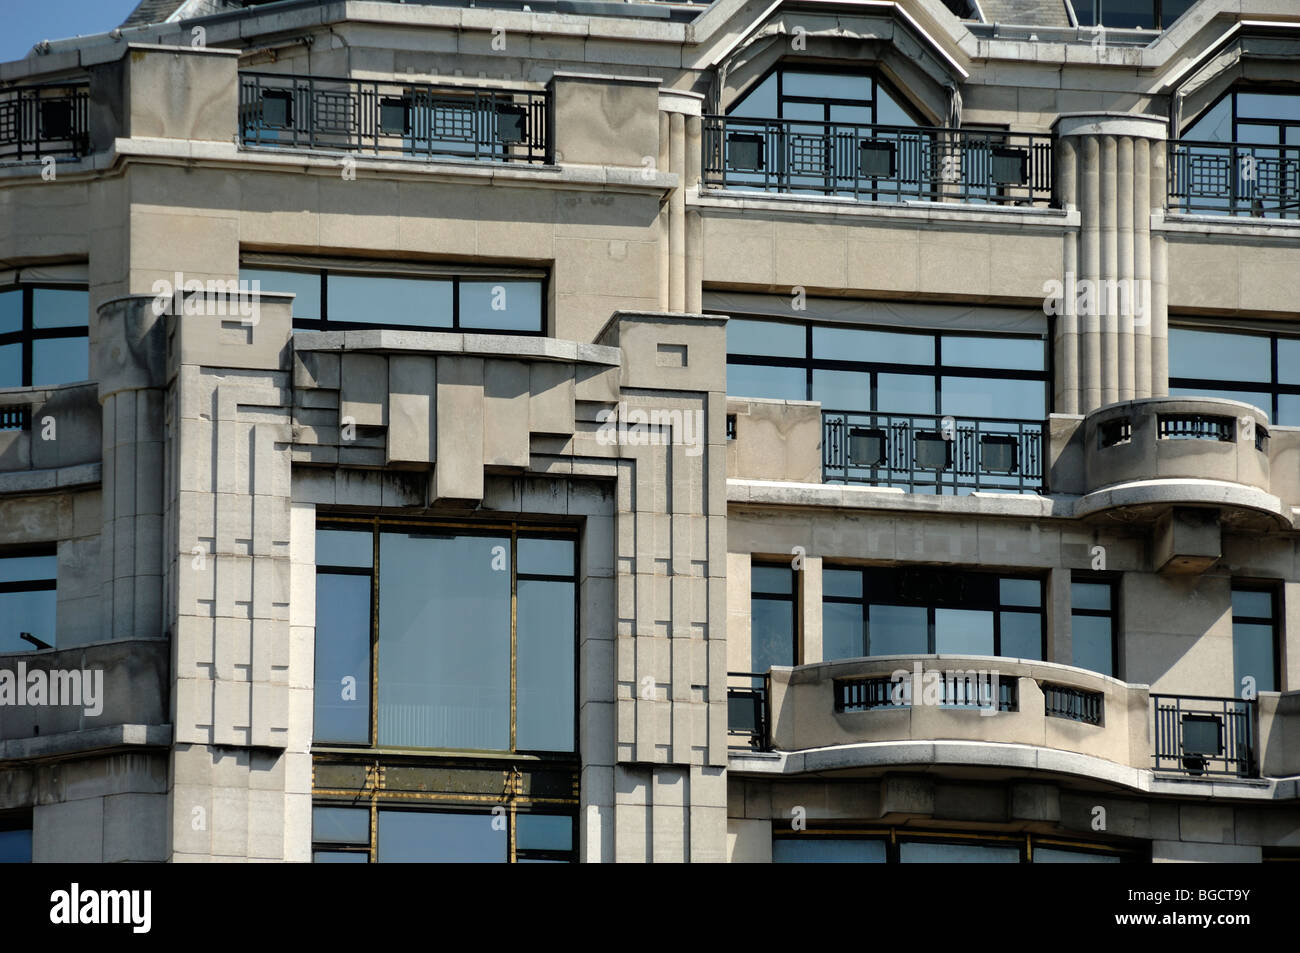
[(16, 837), (1254, 639), (44, 336), (1130, 14), (333, 298), (922, 611), (28, 600), (907, 846), (1094, 623), (1258, 368), (772, 628)]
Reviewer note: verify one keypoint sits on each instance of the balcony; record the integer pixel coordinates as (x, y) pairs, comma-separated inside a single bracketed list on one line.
[(393, 118), (1234, 178), (878, 163), (936, 454), (1198, 735), (49, 120)]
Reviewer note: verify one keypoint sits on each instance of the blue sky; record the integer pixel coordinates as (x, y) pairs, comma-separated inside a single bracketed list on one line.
[(27, 22)]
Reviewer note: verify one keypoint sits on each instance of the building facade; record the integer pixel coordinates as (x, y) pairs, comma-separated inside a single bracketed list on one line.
[(589, 431)]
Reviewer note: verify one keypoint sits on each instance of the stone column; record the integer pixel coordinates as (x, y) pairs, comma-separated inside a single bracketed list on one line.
[(1110, 341)]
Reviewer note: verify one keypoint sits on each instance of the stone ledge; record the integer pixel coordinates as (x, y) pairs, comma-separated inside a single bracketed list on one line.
[(43, 481), (910, 212), (76, 743)]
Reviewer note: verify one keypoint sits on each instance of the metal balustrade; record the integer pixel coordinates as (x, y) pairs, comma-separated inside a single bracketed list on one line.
[(747, 709), (878, 163), (1234, 178), (393, 118), (1199, 735), (944, 454), (16, 418), (1073, 704), (1196, 427), (46, 120), (955, 689)]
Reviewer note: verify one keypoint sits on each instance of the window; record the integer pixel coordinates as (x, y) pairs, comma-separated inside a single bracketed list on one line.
[(1258, 368), (44, 336), (1254, 639), (1263, 116), (16, 837), (921, 611), (28, 598), (772, 615), (908, 846), (1130, 14), (335, 299), (823, 96), (445, 639), (1094, 628), (341, 835)]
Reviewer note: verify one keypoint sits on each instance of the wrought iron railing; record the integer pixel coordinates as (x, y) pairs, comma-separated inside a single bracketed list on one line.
[(943, 454), (16, 418), (1196, 427), (393, 118), (747, 709), (47, 120), (1234, 178), (952, 689), (880, 163), (1073, 704), (1199, 735)]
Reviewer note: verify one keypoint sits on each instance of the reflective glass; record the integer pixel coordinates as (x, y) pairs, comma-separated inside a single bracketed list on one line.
[(60, 308), (304, 285), (1214, 355), (904, 394), (545, 641), (24, 568), (1253, 603), (884, 347), (1020, 592), (842, 390), (1022, 635), (344, 547), (987, 397), (824, 850), (1090, 595), (772, 383), (340, 825), (858, 115), (11, 365), (771, 634), (1128, 14), (444, 641), (760, 102), (1057, 855), (1254, 398), (963, 632), (543, 832), (826, 85), (546, 557), (60, 360), (501, 305), (1252, 656), (16, 847), (897, 630), (1002, 353), (1288, 360), (771, 579), (766, 338), (1288, 410), (1261, 135), (927, 853), (1268, 106), (1090, 639), (339, 857), (32, 612), (843, 632), (842, 582), (429, 837), (342, 696), (11, 311), (889, 112), (369, 299)]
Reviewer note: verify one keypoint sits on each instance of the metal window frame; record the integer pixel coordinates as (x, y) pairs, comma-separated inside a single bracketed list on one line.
[(1274, 622), (28, 334), (1112, 581), (795, 598), (1273, 387), (894, 836), (33, 585)]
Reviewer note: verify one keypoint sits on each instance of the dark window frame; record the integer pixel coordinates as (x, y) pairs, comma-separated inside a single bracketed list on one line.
[(1250, 88), (21, 819), (34, 585), (1273, 387), (795, 598), (1112, 581), (324, 323), (894, 837), (876, 77), (1274, 591), (1096, 14), (28, 334), (996, 608)]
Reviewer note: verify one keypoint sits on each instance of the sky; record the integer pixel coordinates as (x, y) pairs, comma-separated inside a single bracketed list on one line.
[(24, 23)]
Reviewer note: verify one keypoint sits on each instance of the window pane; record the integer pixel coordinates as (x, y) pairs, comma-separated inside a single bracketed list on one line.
[(11, 365), (419, 302), (304, 285), (32, 612), (1025, 354), (340, 825), (426, 837), (825, 85), (1090, 595), (547, 557), (882, 347), (342, 696), (963, 632), (904, 394), (1090, 638), (897, 630), (60, 360), (339, 857), (60, 308), (771, 634), (843, 631), (501, 305), (987, 397), (1215, 125), (544, 681), (344, 547), (1288, 410), (1288, 360), (923, 853), (543, 832), (1263, 135), (760, 102), (1057, 855), (24, 568), (1212, 355), (15, 847), (889, 111), (1267, 106), (842, 582), (773, 579), (1252, 656), (819, 850), (11, 311), (1022, 635), (1256, 399), (842, 390), (1247, 602), (774, 383), (858, 115), (1020, 592), (766, 338), (444, 642)]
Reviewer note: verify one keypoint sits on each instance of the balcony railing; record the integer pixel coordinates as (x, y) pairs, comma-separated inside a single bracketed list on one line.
[(747, 714), (1199, 735), (1073, 704), (393, 118), (940, 454), (972, 689), (47, 120), (1234, 178), (878, 163)]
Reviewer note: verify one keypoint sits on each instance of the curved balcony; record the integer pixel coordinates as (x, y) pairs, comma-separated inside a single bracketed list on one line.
[(1144, 457)]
